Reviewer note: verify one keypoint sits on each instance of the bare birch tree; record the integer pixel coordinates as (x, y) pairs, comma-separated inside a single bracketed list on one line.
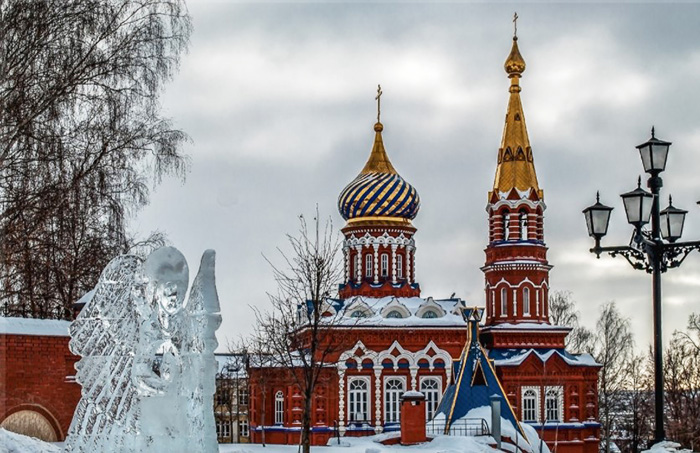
[(613, 349), (563, 312), (81, 138), (300, 331)]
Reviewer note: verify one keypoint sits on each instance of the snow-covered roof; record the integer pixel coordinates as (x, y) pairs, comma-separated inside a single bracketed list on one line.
[(527, 326), (399, 312), (29, 326), (514, 357), (231, 364)]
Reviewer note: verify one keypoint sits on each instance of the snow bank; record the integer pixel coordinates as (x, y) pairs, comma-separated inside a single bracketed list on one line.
[(667, 447), (29, 326), (17, 443)]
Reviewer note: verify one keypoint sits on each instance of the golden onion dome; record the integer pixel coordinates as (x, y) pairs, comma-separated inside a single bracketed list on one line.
[(514, 65), (379, 192)]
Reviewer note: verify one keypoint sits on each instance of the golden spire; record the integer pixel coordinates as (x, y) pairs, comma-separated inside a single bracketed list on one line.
[(378, 161), (516, 168)]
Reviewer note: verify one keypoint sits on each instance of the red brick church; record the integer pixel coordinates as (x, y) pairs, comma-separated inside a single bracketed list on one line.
[(406, 342)]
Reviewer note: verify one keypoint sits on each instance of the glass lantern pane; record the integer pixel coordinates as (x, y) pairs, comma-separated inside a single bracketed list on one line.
[(647, 203), (659, 155), (632, 209), (663, 220), (600, 222), (588, 214), (645, 153), (675, 222)]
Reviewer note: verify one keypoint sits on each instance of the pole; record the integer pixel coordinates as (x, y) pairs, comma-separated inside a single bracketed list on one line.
[(655, 255)]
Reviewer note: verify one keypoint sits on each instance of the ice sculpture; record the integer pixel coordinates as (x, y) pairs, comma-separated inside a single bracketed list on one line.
[(147, 369)]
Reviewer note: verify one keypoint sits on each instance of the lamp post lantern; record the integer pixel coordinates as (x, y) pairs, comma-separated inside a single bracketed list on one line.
[(653, 250)]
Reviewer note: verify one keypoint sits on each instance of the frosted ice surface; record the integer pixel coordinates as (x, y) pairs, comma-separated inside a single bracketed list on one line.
[(147, 369)]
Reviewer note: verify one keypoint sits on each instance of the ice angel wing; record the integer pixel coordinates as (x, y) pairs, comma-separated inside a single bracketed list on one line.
[(104, 335), (203, 319)]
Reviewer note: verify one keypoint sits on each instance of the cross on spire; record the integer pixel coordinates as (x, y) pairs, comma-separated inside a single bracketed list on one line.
[(515, 25), (379, 101)]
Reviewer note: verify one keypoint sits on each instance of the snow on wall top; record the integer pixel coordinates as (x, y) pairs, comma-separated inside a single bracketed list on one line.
[(29, 326), (514, 357)]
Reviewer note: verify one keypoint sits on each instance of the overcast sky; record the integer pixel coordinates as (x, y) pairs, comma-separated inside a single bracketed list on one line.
[(278, 99)]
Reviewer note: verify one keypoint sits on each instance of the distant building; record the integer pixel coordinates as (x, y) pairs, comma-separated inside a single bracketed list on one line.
[(408, 343), (231, 399)]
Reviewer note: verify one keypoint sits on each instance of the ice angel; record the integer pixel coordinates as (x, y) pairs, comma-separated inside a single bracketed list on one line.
[(147, 369)]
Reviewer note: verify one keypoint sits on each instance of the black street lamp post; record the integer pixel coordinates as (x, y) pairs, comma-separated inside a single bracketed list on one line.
[(654, 251)]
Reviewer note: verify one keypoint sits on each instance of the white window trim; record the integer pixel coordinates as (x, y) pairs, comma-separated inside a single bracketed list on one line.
[(439, 392), (368, 381), (538, 412), (384, 393), (560, 402)]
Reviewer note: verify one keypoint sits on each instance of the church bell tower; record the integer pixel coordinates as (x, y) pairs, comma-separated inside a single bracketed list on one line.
[(516, 268)]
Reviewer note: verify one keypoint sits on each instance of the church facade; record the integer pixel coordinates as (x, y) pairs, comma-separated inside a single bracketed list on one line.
[(406, 342)]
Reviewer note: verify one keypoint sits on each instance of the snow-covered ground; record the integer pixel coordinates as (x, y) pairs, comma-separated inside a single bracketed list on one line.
[(16, 443)]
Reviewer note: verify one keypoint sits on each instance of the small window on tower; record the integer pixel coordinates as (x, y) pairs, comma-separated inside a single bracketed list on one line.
[(526, 301), (523, 226), (399, 266), (506, 226), (504, 301), (368, 265), (385, 265)]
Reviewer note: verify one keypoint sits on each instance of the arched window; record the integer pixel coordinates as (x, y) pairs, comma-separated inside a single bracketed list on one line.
[(551, 404), (504, 301), (358, 314), (526, 301), (279, 408), (529, 405), (430, 314), (399, 266), (358, 400), (522, 220), (368, 265), (506, 226), (395, 314), (393, 389), (430, 387), (385, 264)]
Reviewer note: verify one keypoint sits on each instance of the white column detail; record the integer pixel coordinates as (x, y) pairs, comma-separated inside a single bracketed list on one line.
[(409, 268), (346, 251), (376, 262), (359, 264), (341, 401), (537, 302), (493, 303), (414, 374), (515, 302), (393, 263), (378, 399)]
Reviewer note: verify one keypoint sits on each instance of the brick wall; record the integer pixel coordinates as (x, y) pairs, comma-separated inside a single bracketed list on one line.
[(36, 374)]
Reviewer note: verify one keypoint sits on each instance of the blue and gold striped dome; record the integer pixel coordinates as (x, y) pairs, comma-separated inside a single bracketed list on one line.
[(379, 192)]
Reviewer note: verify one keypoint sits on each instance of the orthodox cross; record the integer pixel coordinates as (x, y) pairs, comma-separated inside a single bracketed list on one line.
[(379, 101), (515, 25)]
